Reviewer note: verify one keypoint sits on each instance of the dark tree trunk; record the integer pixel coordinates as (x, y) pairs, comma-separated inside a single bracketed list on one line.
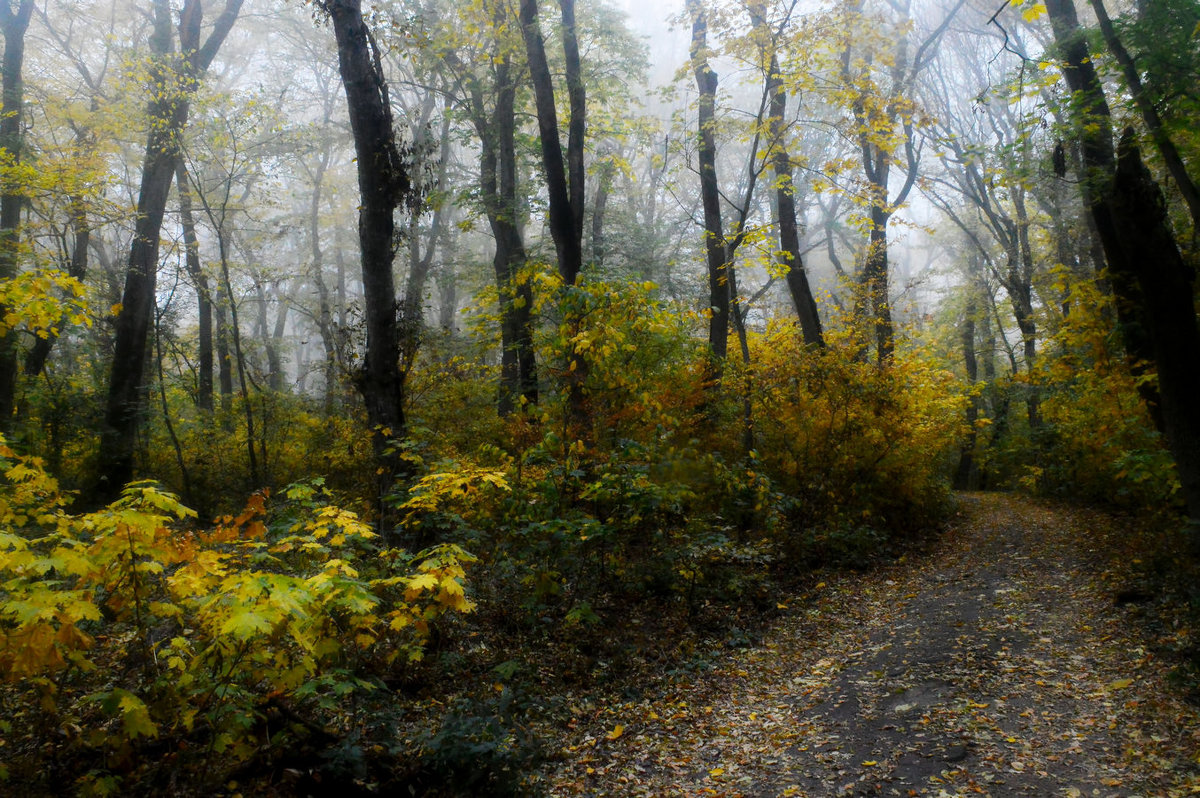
[(325, 325), (877, 309), (383, 183), (191, 244), (564, 182), (498, 184), (168, 112), (789, 233), (566, 221), (447, 283), (710, 197), (1168, 289), (1154, 123), (1152, 285), (274, 344), (12, 91), (599, 206), (576, 125), (965, 476), (224, 356)]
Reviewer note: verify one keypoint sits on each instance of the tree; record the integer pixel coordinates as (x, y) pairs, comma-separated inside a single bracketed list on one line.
[(1153, 286), (496, 130), (384, 185), (564, 182), (174, 78), (13, 22), (781, 163), (988, 159), (882, 120), (719, 300)]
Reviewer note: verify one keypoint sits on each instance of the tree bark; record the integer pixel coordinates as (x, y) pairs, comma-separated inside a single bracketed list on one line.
[(965, 475), (789, 232), (14, 22), (564, 183), (204, 305), (178, 78), (1154, 123), (706, 157), (566, 220), (1152, 286), (1168, 288), (498, 187), (383, 183)]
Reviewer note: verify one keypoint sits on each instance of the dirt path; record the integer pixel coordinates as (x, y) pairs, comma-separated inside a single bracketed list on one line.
[(993, 666)]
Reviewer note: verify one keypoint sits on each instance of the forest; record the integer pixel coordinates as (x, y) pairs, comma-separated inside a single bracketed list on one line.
[(386, 387)]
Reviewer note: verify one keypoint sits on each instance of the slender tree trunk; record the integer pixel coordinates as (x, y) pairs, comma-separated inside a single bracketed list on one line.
[(204, 305), (14, 23), (599, 206), (498, 184), (236, 335), (789, 233), (325, 326), (566, 225), (874, 280), (564, 179), (412, 314), (178, 79), (965, 475), (223, 355), (274, 344), (383, 183), (714, 238)]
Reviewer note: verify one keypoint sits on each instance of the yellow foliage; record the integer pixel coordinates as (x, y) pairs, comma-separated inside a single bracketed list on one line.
[(251, 610)]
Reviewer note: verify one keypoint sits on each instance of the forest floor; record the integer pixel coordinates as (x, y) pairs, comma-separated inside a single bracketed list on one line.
[(1012, 658)]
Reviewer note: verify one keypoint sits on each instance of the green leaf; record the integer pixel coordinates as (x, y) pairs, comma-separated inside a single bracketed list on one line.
[(246, 624), (136, 717)]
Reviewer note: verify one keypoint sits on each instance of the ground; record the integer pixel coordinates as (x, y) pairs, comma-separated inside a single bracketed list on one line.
[(1001, 662)]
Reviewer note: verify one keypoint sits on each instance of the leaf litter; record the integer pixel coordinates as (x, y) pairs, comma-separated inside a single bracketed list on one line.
[(998, 664)]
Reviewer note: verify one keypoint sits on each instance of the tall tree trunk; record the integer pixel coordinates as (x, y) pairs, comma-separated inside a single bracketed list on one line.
[(325, 325), (498, 186), (1154, 124), (710, 197), (1152, 285), (599, 206), (224, 357), (965, 476), (412, 314), (789, 233), (177, 78), (383, 184), (236, 334), (564, 180), (876, 307), (204, 305), (566, 220), (274, 344), (14, 23), (1168, 289)]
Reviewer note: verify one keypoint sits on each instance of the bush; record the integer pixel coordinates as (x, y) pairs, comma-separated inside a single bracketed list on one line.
[(131, 626)]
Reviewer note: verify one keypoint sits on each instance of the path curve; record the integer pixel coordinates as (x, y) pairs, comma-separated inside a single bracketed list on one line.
[(993, 666)]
